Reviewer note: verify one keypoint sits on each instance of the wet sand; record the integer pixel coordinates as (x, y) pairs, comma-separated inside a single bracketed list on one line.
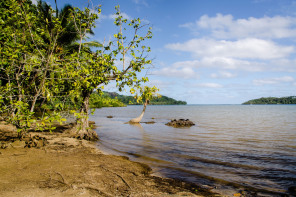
[(65, 166)]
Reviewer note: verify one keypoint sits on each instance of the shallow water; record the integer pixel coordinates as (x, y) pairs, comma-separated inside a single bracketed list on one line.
[(249, 146)]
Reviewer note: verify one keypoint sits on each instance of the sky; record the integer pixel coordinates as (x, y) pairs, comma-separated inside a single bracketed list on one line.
[(212, 52)]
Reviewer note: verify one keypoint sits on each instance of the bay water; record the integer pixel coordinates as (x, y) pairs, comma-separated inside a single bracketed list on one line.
[(231, 146)]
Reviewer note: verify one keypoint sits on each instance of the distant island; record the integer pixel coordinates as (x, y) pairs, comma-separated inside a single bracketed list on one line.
[(113, 99), (272, 100)]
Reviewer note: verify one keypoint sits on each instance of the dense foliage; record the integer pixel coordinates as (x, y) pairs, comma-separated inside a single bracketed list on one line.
[(272, 100), (47, 65), (156, 100), (104, 100)]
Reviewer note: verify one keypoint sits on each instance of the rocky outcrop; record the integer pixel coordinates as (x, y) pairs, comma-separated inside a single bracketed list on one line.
[(8, 132), (180, 123)]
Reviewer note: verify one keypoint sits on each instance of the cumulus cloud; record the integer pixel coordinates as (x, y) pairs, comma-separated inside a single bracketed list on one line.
[(223, 74), (209, 85), (287, 65), (183, 72), (223, 63), (245, 48), (225, 26), (271, 81), (160, 84), (232, 64)]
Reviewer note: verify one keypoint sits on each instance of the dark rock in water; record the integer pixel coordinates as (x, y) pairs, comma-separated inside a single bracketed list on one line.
[(150, 122), (180, 123), (109, 116)]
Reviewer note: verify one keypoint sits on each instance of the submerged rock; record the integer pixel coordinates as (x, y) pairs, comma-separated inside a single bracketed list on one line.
[(180, 123), (149, 122)]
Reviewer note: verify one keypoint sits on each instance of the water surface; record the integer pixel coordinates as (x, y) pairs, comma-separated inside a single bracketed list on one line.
[(250, 146)]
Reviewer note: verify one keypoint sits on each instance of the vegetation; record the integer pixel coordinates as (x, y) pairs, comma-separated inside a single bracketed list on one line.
[(156, 100), (272, 100), (98, 100), (45, 58)]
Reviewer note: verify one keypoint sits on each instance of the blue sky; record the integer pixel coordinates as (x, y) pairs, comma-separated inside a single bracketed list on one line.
[(213, 52)]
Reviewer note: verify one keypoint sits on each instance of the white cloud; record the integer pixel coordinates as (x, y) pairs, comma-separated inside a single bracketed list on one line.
[(287, 65), (223, 63), (223, 74), (160, 84), (240, 44), (190, 64), (225, 26), (271, 81), (246, 48), (209, 85), (184, 72)]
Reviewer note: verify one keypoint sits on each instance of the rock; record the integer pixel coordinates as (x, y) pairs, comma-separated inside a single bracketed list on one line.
[(8, 132), (109, 116), (150, 122), (180, 123)]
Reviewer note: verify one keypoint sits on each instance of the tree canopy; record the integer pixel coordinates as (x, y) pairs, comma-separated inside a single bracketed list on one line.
[(46, 59), (156, 100), (272, 100)]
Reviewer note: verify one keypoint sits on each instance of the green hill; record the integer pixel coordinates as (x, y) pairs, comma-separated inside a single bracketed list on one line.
[(272, 100), (113, 99), (130, 100)]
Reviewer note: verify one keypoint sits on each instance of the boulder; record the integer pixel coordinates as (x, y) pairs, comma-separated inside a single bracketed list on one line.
[(180, 123)]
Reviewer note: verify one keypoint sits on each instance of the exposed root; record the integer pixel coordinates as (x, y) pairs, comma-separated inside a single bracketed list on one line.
[(3, 145), (87, 134), (97, 191), (57, 182), (63, 179), (35, 141), (118, 176)]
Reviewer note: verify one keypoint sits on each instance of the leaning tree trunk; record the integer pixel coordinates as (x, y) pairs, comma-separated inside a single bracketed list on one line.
[(139, 118), (83, 130)]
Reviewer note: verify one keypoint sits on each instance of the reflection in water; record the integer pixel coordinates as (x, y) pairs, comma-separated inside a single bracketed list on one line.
[(244, 146), (138, 125)]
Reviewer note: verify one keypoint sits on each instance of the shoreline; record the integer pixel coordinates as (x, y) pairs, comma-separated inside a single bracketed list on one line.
[(65, 166)]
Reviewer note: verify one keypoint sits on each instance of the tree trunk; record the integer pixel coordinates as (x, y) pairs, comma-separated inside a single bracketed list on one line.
[(83, 130), (139, 118)]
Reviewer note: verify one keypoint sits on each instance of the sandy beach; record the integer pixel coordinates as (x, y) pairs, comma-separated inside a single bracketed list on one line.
[(59, 165)]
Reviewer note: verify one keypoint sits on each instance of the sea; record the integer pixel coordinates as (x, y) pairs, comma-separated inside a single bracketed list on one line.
[(229, 149)]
